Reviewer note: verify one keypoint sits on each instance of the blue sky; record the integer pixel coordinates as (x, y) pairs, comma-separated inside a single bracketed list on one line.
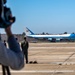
[(52, 16)]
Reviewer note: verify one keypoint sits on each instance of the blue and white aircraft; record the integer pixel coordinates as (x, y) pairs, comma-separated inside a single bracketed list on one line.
[(29, 33)]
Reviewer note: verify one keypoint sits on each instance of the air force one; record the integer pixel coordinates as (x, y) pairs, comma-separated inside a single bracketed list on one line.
[(29, 33)]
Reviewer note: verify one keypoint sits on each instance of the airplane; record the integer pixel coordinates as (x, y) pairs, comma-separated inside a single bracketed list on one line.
[(30, 34)]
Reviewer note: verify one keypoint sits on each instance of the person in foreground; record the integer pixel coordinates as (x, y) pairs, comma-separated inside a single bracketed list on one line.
[(12, 57)]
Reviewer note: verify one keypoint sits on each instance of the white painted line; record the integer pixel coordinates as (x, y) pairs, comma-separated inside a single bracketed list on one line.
[(51, 47), (65, 63), (42, 71)]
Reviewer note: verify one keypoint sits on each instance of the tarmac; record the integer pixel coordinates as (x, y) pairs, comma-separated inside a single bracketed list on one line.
[(51, 59)]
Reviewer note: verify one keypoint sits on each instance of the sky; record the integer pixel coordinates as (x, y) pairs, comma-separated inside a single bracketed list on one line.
[(49, 16)]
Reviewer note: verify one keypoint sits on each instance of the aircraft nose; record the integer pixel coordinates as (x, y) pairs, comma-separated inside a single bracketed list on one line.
[(72, 35)]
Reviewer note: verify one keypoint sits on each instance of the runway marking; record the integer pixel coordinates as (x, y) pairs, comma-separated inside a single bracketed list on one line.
[(42, 71), (52, 47), (66, 63)]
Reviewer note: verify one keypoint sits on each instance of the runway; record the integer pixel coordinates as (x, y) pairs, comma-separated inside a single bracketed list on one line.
[(52, 59)]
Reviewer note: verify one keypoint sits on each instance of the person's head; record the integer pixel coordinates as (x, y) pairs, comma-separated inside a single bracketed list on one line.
[(4, 40), (16, 38), (24, 38)]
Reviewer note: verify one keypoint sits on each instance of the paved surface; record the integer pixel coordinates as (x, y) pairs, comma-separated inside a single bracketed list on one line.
[(52, 59)]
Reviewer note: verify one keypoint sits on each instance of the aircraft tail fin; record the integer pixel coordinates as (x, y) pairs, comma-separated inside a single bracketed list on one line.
[(28, 31)]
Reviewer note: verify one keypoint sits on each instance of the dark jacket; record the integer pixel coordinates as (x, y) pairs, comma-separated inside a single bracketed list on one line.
[(24, 46)]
